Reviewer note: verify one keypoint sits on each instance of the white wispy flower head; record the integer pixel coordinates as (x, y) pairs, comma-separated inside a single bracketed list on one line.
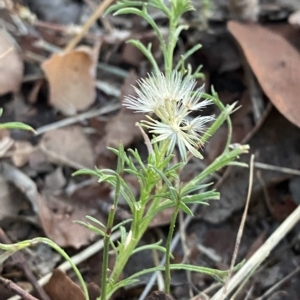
[(171, 99)]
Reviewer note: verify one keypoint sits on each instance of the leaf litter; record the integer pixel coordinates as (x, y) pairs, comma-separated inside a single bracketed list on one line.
[(275, 63), (40, 167), (11, 65), (71, 78)]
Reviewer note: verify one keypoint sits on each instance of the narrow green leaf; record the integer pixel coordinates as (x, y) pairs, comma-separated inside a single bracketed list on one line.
[(196, 188), (4, 255), (179, 29), (217, 274), (147, 52), (164, 205), (128, 10), (155, 246), (173, 192), (238, 164), (16, 125), (121, 224), (95, 221), (123, 234), (90, 227), (174, 168), (118, 285), (200, 198), (123, 4), (114, 150), (187, 55), (185, 209), (85, 172), (136, 155)]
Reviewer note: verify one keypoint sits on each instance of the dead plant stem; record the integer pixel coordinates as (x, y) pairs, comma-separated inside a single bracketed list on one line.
[(260, 255), (241, 229), (11, 286), (278, 284), (93, 18)]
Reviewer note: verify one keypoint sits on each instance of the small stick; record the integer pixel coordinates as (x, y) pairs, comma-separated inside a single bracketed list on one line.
[(259, 256), (6, 52), (78, 118), (241, 229), (265, 191), (264, 166), (160, 279), (19, 260), (59, 159), (11, 286), (254, 91), (278, 284), (93, 18)]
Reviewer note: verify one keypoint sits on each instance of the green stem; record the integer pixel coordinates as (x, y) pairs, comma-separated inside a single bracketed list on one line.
[(168, 248), (142, 218), (171, 46), (106, 243), (124, 254), (139, 225)]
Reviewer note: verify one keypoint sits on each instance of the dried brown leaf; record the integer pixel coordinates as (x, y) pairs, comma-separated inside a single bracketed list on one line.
[(6, 143), (57, 216), (61, 287), (38, 161), (22, 182), (10, 200), (11, 65), (94, 290), (22, 152), (68, 146), (122, 129), (275, 63), (71, 79), (56, 180)]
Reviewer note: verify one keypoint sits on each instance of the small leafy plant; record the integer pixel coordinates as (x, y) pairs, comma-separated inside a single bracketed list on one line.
[(168, 98)]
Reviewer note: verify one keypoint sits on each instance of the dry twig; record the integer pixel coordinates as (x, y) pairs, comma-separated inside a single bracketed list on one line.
[(99, 11), (260, 255), (241, 229), (19, 260), (11, 286)]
